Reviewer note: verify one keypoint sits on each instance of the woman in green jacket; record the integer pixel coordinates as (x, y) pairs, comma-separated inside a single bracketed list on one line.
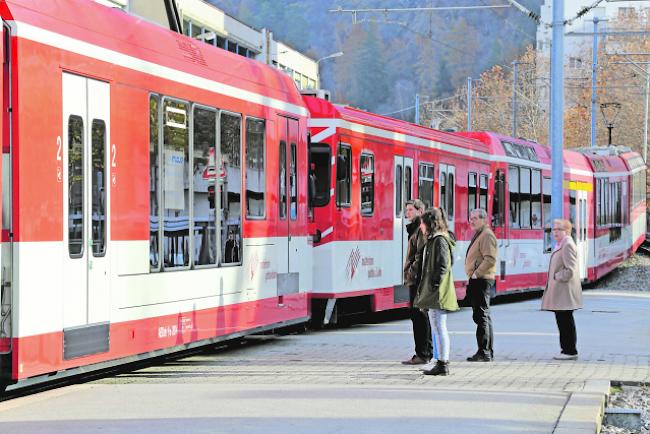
[(436, 292)]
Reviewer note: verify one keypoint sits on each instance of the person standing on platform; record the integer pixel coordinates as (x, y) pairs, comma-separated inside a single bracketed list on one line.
[(480, 266), (436, 292), (412, 269), (563, 293)]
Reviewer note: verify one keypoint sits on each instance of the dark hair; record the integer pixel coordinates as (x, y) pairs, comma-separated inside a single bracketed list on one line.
[(434, 220)]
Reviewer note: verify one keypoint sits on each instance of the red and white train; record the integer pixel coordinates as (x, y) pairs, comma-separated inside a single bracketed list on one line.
[(159, 194)]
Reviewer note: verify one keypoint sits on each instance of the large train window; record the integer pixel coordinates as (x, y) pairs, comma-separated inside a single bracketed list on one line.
[(293, 182), (75, 186), (425, 183), (319, 174), (548, 220), (99, 187), (524, 198), (483, 192), (447, 186), (206, 176), (536, 199), (230, 128), (175, 204), (513, 189), (154, 183), (498, 200), (343, 175), (367, 163), (471, 192), (283, 180), (398, 190), (255, 173)]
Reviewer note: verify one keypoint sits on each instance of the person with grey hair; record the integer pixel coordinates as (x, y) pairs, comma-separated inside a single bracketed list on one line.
[(480, 266), (412, 271)]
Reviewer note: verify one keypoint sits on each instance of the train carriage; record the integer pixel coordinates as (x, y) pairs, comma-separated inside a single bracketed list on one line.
[(153, 191)]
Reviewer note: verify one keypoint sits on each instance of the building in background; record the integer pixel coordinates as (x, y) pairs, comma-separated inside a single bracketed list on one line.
[(209, 24), (606, 10)]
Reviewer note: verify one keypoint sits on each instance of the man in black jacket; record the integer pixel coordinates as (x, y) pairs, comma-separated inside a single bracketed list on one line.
[(412, 271)]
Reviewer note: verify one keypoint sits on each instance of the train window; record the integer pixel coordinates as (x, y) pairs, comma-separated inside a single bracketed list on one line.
[(536, 199), (75, 186), (283, 180), (176, 207), (206, 176), (471, 192), (524, 198), (319, 174), (450, 196), (572, 213), (483, 192), (442, 182), (425, 184), (408, 182), (231, 242), (498, 200), (447, 190), (255, 173), (154, 183), (367, 163), (293, 183), (98, 187), (513, 189), (343, 175), (547, 213), (398, 190)]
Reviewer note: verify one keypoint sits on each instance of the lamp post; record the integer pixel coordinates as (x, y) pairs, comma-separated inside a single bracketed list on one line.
[(329, 56)]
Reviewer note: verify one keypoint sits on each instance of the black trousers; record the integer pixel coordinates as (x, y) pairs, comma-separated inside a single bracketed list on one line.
[(421, 330), (567, 328), (478, 291)]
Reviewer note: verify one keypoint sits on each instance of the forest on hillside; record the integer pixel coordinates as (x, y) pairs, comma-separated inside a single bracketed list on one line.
[(390, 57)]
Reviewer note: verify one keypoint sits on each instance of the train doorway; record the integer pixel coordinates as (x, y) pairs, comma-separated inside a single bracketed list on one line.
[(82, 159), (402, 191), (581, 232)]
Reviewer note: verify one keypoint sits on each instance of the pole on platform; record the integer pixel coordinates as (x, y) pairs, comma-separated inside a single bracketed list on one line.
[(594, 75), (645, 118), (417, 108), (514, 99), (557, 110), (469, 103)]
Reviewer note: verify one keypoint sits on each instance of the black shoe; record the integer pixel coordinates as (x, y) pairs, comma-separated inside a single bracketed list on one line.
[(441, 368), (478, 357)]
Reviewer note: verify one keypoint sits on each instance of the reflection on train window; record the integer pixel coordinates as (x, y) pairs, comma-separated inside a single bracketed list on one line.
[(176, 207), (75, 186), (367, 163), (293, 183), (283, 180), (425, 184), (343, 175), (154, 184), (231, 188), (206, 175), (98, 187), (255, 173)]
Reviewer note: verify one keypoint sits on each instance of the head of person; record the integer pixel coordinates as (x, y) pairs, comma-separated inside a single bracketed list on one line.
[(433, 221), (231, 235), (478, 219), (561, 229), (414, 208)]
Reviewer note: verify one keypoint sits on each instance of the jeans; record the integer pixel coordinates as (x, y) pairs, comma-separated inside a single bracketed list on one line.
[(478, 291), (567, 328), (438, 320)]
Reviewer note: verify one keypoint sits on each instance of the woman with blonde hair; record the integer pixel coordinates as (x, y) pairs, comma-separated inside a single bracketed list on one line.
[(563, 293), (436, 292)]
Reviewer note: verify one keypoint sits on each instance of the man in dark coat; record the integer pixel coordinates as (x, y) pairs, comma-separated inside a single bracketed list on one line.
[(412, 272)]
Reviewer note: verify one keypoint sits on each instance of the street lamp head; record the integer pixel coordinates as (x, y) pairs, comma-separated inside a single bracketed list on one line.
[(330, 56)]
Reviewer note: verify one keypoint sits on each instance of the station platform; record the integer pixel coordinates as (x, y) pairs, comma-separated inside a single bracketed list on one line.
[(350, 380)]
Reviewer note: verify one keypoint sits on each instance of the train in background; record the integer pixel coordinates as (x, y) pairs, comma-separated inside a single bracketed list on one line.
[(160, 194)]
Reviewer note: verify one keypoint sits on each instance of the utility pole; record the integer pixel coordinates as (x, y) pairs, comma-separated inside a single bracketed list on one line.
[(417, 108), (557, 110), (469, 103), (645, 117), (594, 72), (514, 98)]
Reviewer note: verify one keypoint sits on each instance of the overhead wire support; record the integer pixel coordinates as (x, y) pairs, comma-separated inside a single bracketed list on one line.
[(354, 12)]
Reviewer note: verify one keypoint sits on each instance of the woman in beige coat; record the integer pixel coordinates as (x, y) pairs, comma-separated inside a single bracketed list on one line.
[(563, 293)]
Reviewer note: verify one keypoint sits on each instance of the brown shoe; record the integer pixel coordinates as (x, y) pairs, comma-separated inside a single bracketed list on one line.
[(415, 360)]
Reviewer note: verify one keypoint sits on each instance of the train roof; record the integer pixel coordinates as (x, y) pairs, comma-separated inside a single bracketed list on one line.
[(110, 34), (321, 108)]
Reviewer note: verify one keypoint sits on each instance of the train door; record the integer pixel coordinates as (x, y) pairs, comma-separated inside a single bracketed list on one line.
[(288, 133), (581, 232), (498, 221), (84, 153), (5, 249), (447, 192), (403, 170)]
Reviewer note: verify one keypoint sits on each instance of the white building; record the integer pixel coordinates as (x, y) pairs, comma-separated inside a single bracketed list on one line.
[(207, 23), (605, 10)]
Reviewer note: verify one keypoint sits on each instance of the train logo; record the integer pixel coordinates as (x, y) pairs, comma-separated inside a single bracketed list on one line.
[(353, 263)]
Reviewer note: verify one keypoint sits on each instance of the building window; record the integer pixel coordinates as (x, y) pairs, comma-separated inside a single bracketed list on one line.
[(367, 163)]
